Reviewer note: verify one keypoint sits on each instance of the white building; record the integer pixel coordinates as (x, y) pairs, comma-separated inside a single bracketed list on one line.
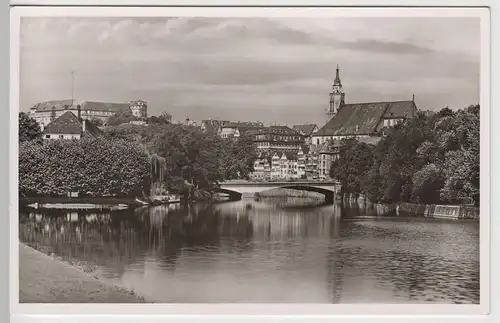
[(70, 126)]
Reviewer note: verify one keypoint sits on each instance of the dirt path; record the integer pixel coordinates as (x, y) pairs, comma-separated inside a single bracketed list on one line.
[(43, 279)]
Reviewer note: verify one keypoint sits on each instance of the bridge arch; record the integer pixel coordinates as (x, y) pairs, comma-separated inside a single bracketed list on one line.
[(236, 192), (329, 194)]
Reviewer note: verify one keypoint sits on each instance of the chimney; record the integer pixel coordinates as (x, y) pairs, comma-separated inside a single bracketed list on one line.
[(84, 124), (79, 110), (413, 99)]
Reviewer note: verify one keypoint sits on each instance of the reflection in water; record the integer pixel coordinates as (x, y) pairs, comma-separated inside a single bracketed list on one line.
[(257, 251)]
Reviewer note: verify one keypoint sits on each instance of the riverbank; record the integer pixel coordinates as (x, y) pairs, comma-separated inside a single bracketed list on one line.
[(44, 279)]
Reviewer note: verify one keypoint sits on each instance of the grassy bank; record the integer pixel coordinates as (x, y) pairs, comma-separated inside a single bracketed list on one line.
[(45, 279)]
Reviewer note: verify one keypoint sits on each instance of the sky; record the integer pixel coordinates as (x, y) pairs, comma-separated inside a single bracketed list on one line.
[(277, 70)]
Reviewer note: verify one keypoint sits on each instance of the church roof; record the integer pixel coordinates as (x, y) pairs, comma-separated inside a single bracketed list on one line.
[(363, 118), (401, 109)]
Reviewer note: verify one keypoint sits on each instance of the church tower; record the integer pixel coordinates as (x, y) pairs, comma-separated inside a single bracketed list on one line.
[(336, 97)]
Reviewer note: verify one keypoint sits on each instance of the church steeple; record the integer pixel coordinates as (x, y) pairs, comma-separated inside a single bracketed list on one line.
[(336, 97), (337, 78)]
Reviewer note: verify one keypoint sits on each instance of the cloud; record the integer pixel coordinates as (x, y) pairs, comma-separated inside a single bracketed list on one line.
[(372, 45), (215, 66)]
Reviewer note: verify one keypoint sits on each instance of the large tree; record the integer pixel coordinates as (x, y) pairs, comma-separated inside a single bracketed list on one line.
[(237, 157), (123, 116), (461, 165), (355, 160), (29, 129), (162, 119), (190, 154), (427, 184)]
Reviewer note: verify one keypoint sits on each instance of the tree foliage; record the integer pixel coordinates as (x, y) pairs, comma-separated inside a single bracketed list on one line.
[(427, 183), (98, 122), (237, 157), (202, 159), (354, 162), (29, 129), (98, 167), (164, 118), (122, 116)]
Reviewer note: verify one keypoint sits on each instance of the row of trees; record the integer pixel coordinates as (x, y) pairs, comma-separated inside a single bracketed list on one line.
[(126, 116), (432, 158), (192, 157)]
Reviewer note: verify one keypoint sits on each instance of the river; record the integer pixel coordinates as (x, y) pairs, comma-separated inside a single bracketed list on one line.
[(267, 252)]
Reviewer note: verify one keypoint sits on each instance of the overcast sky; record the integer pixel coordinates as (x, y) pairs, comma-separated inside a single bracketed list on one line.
[(247, 68)]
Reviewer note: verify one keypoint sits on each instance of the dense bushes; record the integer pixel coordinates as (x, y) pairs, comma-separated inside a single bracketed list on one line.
[(98, 167), (432, 158)]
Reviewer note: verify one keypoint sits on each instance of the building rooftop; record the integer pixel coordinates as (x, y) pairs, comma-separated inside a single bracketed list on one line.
[(306, 129), (68, 123), (85, 105), (250, 124)]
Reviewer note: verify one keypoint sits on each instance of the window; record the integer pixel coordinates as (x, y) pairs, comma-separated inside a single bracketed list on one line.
[(61, 137), (47, 136)]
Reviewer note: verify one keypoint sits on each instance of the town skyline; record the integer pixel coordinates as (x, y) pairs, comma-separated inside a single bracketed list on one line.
[(269, 70)]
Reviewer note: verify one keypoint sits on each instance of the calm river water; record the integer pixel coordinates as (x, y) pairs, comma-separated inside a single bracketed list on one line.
[(258, 252)]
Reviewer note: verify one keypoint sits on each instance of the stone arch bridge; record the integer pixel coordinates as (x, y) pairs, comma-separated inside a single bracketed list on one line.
[(235, 190)]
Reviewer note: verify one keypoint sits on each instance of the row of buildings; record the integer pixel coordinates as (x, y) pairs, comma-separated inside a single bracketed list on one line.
[(68, 119), (299, 151), (308, 162)]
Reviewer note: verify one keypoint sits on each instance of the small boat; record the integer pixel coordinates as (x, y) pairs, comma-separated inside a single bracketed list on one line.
[(165, 199)]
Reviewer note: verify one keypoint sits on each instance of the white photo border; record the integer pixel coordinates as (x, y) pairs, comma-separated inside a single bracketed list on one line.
[(318, 310)]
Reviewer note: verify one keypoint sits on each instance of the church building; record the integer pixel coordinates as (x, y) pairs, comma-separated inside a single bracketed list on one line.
[(362, 121)]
